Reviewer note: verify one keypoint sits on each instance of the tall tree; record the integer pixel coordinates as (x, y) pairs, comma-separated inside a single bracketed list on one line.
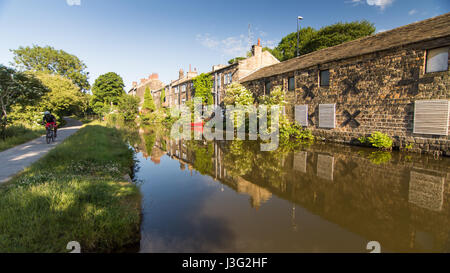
[(203, 84), (107, 90), (163, 96), (48, 59), (149, 104), (64, 97), (312, 40), (17, 88), (129, 107)]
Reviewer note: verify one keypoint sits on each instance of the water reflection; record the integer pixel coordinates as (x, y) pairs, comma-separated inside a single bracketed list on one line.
[(228, 196)]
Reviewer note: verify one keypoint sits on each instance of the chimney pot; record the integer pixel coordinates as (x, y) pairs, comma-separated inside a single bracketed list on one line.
[(259, 41)]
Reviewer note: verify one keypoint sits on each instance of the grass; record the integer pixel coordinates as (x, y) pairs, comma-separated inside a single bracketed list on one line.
[(19, 134), (75, 193)]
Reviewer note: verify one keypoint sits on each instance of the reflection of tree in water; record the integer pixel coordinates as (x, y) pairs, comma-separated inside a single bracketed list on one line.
[(203, 155), (239, 158)]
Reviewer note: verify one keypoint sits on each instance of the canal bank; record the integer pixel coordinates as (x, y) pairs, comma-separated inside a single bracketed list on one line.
[(228, 196), (77, 192)]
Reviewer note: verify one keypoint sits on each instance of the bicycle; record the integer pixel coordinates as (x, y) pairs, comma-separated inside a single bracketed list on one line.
[(50, 136)]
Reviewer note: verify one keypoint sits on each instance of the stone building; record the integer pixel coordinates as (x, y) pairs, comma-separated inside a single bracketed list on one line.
[(396, 82), (152, 82), (226, 74), (182, 89)]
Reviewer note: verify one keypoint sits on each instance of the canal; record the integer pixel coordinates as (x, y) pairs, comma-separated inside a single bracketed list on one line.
[(228, 196)]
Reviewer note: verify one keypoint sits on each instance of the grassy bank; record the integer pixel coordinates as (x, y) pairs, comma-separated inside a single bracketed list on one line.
[(75, 193), (19, 134)]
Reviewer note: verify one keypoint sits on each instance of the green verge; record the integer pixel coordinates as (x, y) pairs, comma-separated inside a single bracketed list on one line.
[(18, 134), (76, 192)]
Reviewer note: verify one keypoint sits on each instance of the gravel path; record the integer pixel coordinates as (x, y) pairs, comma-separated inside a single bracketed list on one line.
[(19, 157)]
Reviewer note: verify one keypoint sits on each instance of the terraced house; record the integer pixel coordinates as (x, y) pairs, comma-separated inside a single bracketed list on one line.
[(396, 82), (152, 82)]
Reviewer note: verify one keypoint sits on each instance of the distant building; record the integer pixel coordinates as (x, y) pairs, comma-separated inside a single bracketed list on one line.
[(223, 75), (152, 82)]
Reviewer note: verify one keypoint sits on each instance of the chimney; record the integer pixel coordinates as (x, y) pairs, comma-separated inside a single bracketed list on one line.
[(143, 80), (153, 76), (257, 49), (190, 68), (134, 84), (181, 74)]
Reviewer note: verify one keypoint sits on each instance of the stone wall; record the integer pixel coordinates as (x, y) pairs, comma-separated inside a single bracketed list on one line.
[(381, 86)]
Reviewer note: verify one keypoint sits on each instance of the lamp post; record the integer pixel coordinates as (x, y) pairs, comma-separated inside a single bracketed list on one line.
[(298, 34)]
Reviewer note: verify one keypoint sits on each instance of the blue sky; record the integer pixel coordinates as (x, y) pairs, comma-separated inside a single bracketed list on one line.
[(135, 38)]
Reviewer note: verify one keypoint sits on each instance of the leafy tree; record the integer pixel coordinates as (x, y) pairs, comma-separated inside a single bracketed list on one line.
[(48, 59), (64, 97), (287, 48), (237, 94), (337, 34), (163, 95), (235, 60), (107, 90), (129, 107), (312, 40), (149, 104), (203, 84), (17, 88)]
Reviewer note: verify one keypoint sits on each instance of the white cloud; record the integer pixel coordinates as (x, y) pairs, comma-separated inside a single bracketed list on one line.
[(73, 2), (230, 46), (382, 4), (412, 12)]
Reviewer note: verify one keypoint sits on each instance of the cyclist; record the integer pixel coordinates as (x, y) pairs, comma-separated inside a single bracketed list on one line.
[(48, 120)]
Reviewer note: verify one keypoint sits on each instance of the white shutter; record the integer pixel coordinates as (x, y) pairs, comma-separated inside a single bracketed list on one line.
[(325, 166), (431, 117), (301, 114), (300, 161), (426, 190), (327, 115)]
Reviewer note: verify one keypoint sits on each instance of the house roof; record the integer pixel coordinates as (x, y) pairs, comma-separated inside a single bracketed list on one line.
[(429, 29)]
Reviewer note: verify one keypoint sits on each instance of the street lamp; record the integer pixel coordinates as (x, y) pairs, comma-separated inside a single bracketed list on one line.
[(298, 34)]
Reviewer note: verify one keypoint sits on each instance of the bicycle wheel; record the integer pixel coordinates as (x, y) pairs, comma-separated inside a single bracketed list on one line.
[(53, 137), (48, 138)]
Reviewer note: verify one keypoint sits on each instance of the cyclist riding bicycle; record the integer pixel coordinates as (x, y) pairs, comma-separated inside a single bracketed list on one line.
[(49, 120)]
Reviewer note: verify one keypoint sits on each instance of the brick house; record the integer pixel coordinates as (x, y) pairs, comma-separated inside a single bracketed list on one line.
[(396, 82), (226, 74), (152, 82)]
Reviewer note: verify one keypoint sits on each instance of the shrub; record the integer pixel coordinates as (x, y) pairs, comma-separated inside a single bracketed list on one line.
[(380, 140)]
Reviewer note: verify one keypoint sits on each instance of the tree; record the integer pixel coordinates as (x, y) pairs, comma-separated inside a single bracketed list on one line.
[(237, 94), (235, 60), (312, 40), (64, 97), (337, 34), (17, 88), (287, 48), (107, 90), (163, 96), (203, 84), (149, 104), (50, 60), (129, 107)]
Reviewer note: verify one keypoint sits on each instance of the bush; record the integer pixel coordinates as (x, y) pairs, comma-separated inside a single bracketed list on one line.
[(378, 140)]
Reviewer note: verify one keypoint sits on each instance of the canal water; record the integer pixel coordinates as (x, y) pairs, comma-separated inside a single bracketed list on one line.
[(228, 196)]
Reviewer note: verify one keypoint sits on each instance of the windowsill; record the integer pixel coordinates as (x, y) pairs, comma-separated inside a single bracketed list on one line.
[(432, 74)]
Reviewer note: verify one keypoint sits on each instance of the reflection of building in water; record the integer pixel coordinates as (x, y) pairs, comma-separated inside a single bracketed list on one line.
[(325, 166), (258, 195), (426, 190), (300, 161)]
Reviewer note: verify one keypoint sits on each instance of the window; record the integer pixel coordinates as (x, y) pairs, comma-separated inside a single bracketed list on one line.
[(291, 84), (176, 89), (437, 60), (268, 87), (324, 77), (183, 88), (218, 80), (230, 79)]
